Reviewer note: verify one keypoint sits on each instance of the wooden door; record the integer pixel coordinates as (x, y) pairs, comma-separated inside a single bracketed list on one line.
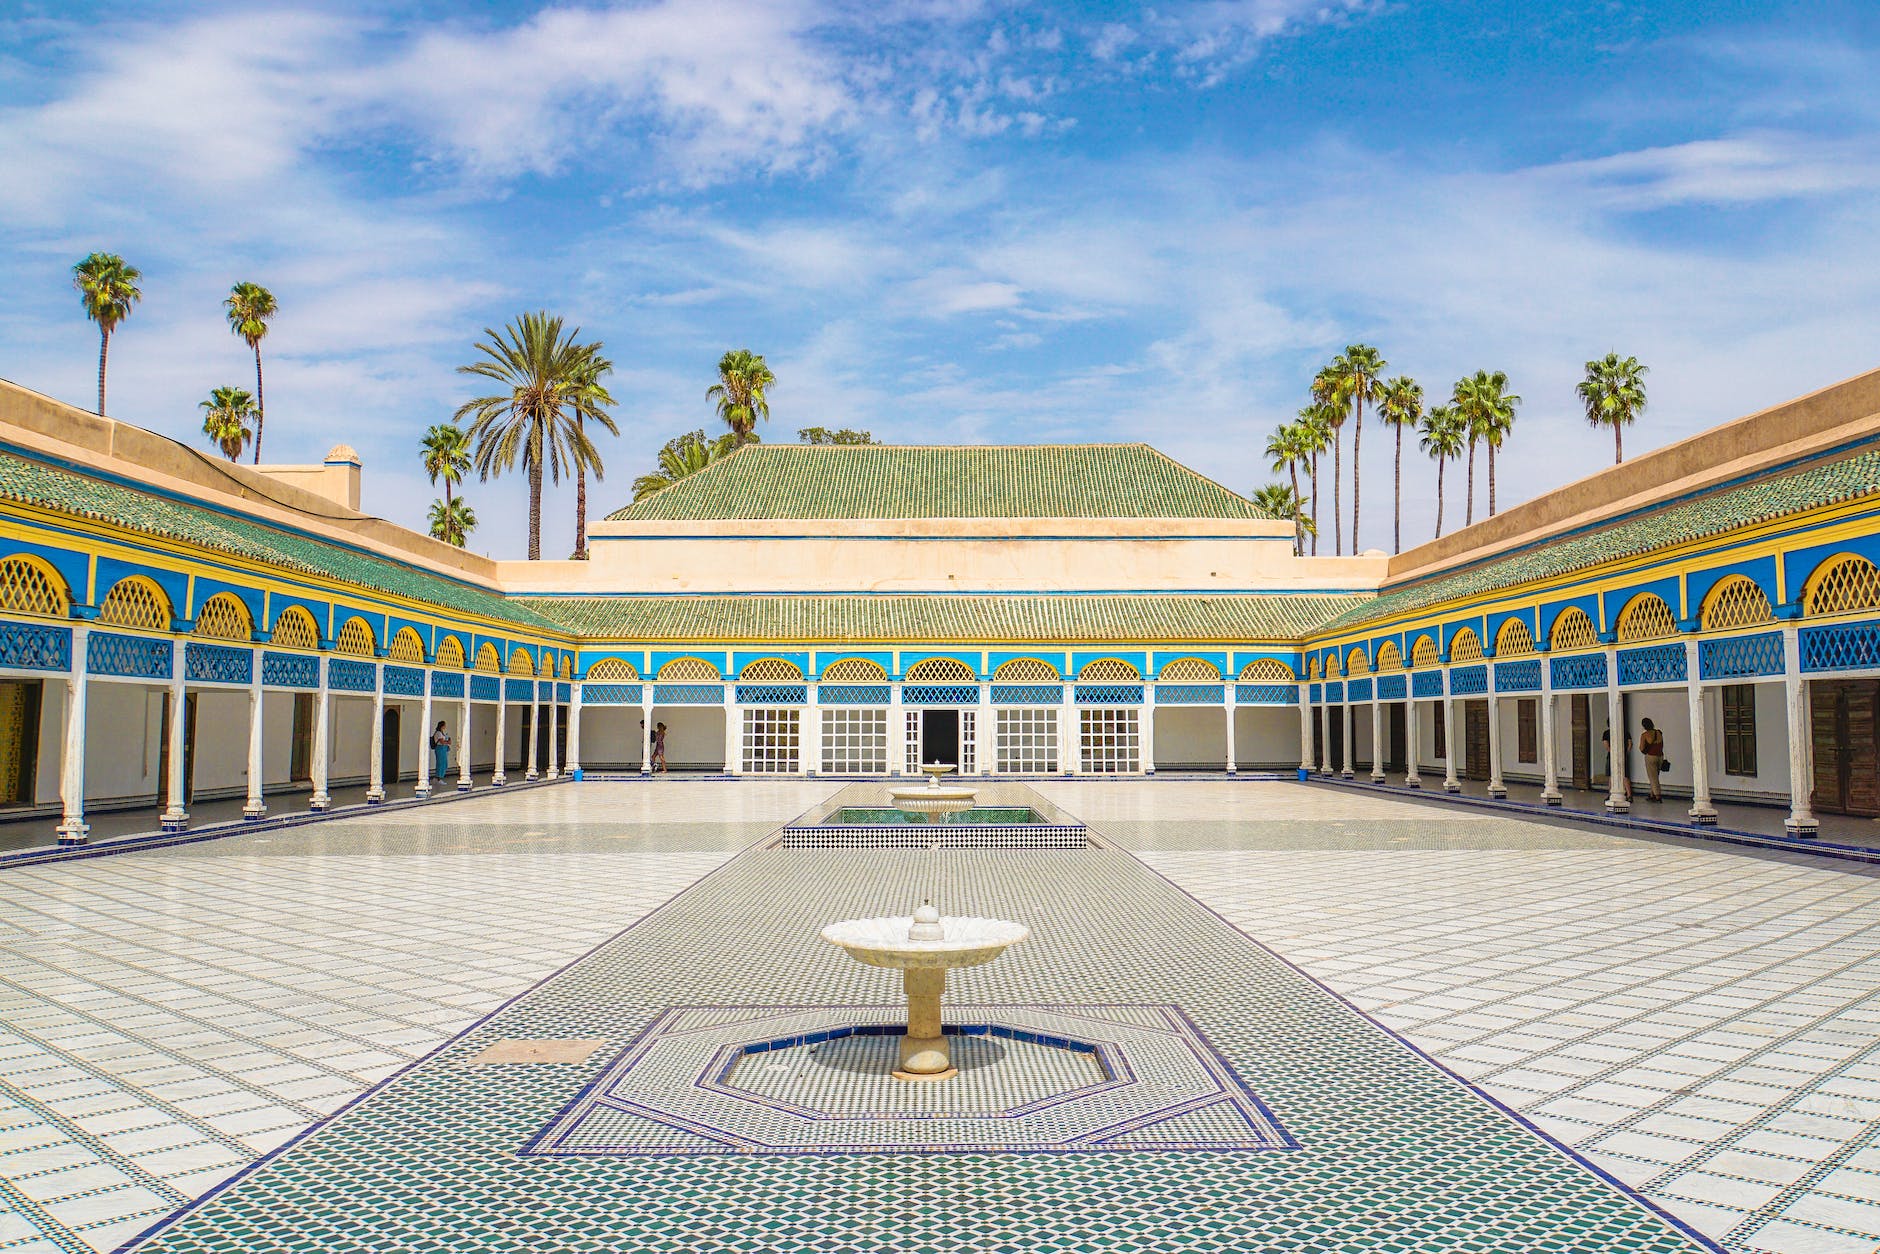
[(388, 747), (1847, 745), (300, 747), (1582, 740), (1394, 760), (1475, 740), (19, 740)]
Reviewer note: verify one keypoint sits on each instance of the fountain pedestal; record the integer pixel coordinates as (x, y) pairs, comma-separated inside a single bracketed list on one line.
[(925, 1054)]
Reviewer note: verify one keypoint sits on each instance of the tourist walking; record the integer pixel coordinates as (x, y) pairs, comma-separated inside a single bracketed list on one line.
[(1651, 743), (659, 746), (440, 750)]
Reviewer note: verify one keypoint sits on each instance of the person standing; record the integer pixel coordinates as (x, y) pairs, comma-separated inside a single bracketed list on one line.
[(659, 746), (440, 750), (1651, 743)]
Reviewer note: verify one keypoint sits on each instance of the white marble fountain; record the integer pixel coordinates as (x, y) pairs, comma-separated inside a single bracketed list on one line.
[(922, 946), (936, 800)]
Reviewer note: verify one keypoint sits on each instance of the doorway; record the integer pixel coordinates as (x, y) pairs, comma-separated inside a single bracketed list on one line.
[(1394, 760), (1475, 740), (1847, 746), (1581, 739), (19, 740), (189, 751), (388, 747), (940, 737)]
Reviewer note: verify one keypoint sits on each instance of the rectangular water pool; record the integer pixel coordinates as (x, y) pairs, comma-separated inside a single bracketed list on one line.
[(889, 816)]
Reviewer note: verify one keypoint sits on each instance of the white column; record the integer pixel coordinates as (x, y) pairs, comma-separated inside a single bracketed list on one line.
[(1325, 732), (1070, 733), (1227, 695), (1412, 734), (72, 826), (375, 768), (987, 731), (322, 739), (646, 729), (1801, 820), (1377, 735), (1305, 726), (1701, 811), (1344, 717), (810, 742), (1147, 735), (464, 782), (535, 729), (574, 730), (423, 790), (897, 730), (1616, 758), (1496, 787), (255, 807), (498, 776), (734, 728), (1550, 749), (554, 729), (1452, 736), (175, 816)]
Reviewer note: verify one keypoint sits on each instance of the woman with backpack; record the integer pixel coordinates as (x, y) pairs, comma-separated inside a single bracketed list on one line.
[(440, 750)]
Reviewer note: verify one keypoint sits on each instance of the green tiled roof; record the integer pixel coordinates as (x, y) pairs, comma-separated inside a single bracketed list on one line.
[(48, 487), (1703, 517), (922, 481), (992, 618)]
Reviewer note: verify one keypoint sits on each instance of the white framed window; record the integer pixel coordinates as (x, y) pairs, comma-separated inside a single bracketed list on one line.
[(855, 742), (771, 741), (911, 760), (1027, 741), (1111, 741), (969, 742)]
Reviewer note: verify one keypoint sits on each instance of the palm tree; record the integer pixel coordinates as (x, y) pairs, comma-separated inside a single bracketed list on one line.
[(1328, 398), (540, 368), (1488, 411), (445, 455), (1280, 501), (452, 521), (1359, 371), (1285, 449), (108, 289), (1401, 406), (681, 456), (1613, 393), (1441, 438), (742, 379), (1315, 436), (590, 400), (225, 420), (249, 306)]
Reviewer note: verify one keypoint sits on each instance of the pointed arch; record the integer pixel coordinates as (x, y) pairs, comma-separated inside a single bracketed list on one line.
[(1389, 656), (224, 617), (488, 659), (566, 670), (1357, 661), (138, 603), (1425, 653), (295, 628), (521, 662), (1465, 646), (450, 651), (1312, 669)]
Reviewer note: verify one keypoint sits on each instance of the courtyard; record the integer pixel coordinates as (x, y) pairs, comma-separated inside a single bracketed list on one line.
[(1429, 1029)]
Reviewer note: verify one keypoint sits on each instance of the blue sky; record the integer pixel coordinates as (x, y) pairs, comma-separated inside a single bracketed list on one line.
[(949, 221)]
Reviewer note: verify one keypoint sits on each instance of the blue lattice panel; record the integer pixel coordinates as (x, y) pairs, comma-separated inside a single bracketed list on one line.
[(940, 694), (1468, 681), (485, 688), (773, 694), (1841, 647), (1581, 670), (1740, 657), (521, 691), (1359, 689), (1521, 676), (1109, 694), (404, 681), (346, 675), (217, 663), (290, 670), (35, 647), (1335, 692), (1426, 684), (1266, 694), (564, 692), (853, 694), (447, 684), (1654, 664), (688, 694), (135, 657), (1317, 693), (1390, 687), (1190, 694), (611, 694), (545, 690)]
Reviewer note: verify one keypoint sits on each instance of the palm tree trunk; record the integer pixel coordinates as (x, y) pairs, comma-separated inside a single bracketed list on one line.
[(580, 513), (1299, 535), (1618, 443), (447, 494), (1314, 479), (1396, 522), (1357, 442), (535, 511), (1338, 479), (1491, 480), (1468, 513), (261, 405), (104, 351), (1440, 463)]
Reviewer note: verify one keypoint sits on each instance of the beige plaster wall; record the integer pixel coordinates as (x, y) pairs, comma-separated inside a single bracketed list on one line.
[(337, 482)]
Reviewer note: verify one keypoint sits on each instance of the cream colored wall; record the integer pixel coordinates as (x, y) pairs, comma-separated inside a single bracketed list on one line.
[(338, 482), (1266, 736)]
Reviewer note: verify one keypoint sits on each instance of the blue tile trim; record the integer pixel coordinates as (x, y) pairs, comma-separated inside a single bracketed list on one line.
[(35, 646)]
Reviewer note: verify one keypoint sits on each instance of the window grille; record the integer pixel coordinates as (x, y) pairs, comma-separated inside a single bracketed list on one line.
[(487, 659), (941, 670), (1389, 656), (407, 646), (1312, 669), (855, 742), (770, 741), (1026, 742), (520, 663), (1425, 653), (1109, 670), (1110, 741), (1357, 662), (26, 587), (294, 628), (1514, 639), (567, 667), (1850, 583), (854, 670), (1267, 670), (611, 668), (355, 639), (688, 670), (137, 603), (1646, 617), (224, 617), (1190, 670), (1332, 670), (771, 670), (1739, 729), (1573, 630), (1736, 602), (1026, 670), (1465, 646)]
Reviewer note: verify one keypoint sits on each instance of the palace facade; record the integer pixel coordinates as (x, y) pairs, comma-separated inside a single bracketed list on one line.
[(174, 628)]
